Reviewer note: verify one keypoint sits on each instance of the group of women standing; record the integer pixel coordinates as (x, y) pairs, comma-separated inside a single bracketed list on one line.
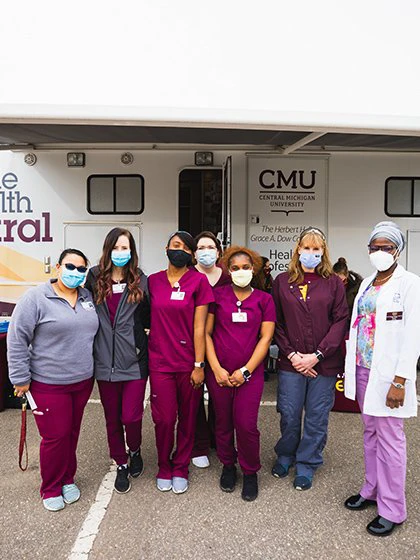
[(209, 325)]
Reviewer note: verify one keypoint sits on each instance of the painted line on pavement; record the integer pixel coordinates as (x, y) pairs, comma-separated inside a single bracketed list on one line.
[(90, 528), (85, 539)]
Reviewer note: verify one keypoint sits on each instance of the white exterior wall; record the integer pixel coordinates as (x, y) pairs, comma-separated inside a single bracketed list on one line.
[(355, 200)]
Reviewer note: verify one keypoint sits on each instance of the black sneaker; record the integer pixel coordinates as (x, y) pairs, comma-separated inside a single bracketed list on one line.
[(250, 487), (228, 478), (136, 464), (122, 483)]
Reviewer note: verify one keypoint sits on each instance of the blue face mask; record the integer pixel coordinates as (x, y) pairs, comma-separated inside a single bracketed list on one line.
[(310, 260), (206, 257), (120, 258), (72, 278)]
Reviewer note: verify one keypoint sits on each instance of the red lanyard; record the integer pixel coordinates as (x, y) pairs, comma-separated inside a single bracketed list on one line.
[(23, 448)]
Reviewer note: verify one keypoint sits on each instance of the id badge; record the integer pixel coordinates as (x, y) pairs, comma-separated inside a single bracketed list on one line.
[(118, 288), (179, 296), (239, 317), (88, 305)]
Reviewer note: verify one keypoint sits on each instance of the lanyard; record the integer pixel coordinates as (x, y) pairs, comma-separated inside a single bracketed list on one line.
[(23, 448)]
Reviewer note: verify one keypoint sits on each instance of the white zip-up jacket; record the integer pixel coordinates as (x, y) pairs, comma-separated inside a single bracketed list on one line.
[(396, 346)]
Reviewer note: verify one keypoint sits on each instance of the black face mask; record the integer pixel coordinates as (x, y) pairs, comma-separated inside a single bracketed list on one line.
[(179, 258)]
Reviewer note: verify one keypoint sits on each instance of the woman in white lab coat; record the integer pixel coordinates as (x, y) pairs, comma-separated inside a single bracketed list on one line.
[(380, 372)]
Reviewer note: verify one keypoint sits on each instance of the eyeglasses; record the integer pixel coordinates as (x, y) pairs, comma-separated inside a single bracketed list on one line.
[(81, 269), (385, 248)]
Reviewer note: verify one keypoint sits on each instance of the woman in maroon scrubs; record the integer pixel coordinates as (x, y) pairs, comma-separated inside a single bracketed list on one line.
[(179, 302), (239, 329), (207, 255)]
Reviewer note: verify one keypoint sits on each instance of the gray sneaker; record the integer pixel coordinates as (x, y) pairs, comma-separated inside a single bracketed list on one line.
[(54, 504), (70, 493)]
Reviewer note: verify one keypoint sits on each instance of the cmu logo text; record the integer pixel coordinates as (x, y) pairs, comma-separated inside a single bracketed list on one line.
[(276, 179)]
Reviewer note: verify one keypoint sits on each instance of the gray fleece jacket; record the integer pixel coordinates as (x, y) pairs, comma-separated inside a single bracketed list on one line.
[(48, 340)]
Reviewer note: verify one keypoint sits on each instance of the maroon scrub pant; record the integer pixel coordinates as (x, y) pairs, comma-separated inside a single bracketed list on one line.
[(236, 411), (173, 397), (123, 408), (59, 428), (204, 429)]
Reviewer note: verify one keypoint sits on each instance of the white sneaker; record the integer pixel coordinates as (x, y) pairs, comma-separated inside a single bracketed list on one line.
[(179, 485), (201, 462), (163, 484)]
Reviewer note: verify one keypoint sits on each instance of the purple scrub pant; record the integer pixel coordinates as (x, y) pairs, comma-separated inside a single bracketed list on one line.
[(385, 458), (59, 428), (123, 408), (174, 398), (236, 411)]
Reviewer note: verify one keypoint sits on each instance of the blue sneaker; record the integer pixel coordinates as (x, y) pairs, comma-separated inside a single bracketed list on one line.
[(54, 504), (164, 484), (302, 482), (179, 485), (70, 493), (279, 470)]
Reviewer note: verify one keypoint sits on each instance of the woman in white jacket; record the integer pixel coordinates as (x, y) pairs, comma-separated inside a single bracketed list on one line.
[(380, 372)]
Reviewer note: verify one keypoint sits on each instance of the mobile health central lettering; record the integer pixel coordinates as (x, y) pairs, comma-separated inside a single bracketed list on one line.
[(12, 202)]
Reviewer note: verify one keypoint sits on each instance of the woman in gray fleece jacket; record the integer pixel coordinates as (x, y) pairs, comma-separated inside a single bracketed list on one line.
[(50, 351)]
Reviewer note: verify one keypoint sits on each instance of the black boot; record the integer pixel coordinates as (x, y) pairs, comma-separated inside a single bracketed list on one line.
[(250, 487), (228, 478)]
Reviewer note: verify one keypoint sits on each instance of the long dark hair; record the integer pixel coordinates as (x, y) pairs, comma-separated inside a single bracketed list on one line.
[(131, 270)]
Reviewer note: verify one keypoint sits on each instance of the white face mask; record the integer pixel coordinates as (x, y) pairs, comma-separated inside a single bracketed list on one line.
[(241, 278), (381, 260)]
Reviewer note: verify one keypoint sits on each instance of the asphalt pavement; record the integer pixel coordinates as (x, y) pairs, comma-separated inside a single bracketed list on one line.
[(204, 523)]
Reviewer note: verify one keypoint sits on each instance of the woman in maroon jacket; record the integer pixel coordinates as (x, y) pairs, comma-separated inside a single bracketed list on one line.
[(312, 317)]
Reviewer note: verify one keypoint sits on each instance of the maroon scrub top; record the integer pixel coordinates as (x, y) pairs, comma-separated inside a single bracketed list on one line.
[(224, 280), (319, 323), (234, 343), (171, 340), (112, 303)]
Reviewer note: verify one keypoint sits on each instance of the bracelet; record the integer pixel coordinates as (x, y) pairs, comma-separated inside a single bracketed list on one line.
[(290, 356)]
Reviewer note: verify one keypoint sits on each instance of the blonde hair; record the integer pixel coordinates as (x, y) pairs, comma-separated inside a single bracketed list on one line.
[(324, 268)]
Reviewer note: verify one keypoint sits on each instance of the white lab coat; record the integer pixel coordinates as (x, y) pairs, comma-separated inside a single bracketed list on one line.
[(396, 347)]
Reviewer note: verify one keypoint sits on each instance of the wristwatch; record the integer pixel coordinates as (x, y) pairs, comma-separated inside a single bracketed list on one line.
[(398, 385), (199, 364), (319, 355), (246, 373)]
